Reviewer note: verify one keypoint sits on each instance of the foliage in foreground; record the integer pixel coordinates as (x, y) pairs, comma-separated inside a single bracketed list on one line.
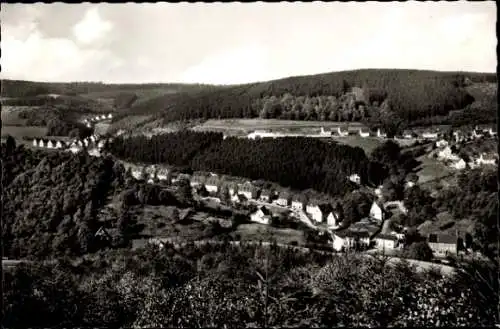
[(216, 286)]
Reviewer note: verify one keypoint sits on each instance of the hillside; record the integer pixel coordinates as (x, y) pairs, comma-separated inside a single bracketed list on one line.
[(374, 95), (31, 93)]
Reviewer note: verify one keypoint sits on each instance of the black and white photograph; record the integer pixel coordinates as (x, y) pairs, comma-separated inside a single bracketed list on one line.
[(249, 165)]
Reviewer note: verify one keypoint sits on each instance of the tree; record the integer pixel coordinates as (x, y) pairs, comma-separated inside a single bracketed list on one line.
[(10, 144), (420, 251)]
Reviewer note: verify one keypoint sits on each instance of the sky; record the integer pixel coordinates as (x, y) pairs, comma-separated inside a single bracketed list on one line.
[(231, 43)]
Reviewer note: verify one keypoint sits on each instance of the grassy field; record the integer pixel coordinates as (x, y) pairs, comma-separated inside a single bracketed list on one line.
[(129, 122), (367, 144), (260, 124), (256, 232), (431, 170), (18, 132), (10, 115)]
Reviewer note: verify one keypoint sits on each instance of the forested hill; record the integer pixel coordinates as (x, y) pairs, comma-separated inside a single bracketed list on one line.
[(22, 88), (339, 96)]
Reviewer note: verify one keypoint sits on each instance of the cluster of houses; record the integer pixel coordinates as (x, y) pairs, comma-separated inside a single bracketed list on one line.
[(353, 131), (448, 150), (88, 122), (73, 146)]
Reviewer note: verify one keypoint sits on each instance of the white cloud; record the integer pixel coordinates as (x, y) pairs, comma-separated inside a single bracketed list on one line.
[(92, 27), (39, 58), (247, 63)]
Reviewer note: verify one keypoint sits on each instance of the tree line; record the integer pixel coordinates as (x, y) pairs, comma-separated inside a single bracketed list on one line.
[(298, 163)]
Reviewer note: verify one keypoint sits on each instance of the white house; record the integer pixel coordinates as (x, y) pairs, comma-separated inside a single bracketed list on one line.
[(283, 199), (325, 133), (50, 145), (484, 159), (349, 239), (86, 142), (58, 145), (162, 174), (407, 134), (137, 173), (79, 143), (441, 143), (313, 210), (378, 191), (103, 117), (386, 241), (429, 135), (248, 190), (88, 125), (491, 132), (262, 216), (447, 154), (355, 178), (100, 144), (410, 184), (74, 149), (212, 184), (35, 143), (96, 118), (297, 203), (380, 134), (342, 133), (376, 212), (460, 164), (110, 116), (333, 220), (364, 134), (93, 138)]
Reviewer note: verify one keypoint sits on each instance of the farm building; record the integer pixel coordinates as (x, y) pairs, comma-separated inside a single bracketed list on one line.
[(376, 212), (265, 195), (386, 241), (347, 239), (333, 220), (298, 202)]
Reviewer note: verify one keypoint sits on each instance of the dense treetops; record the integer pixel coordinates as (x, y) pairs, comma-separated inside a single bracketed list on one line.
[(251, 286), (411, 94), (299, 163)]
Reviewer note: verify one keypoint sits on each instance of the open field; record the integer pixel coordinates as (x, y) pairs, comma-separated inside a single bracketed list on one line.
[(10, 114), (261, 124), (367, 144), (256, 232), (18, 132), (431, 169)]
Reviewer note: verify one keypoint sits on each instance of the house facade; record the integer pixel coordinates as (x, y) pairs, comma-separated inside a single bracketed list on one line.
[(347, 239), (342, 133), (443, 244), (429, 135), (248, 190), (364, 134), (333, 220), (386, 241), (284, 199), (355, 178), (262, 216), (376, 212), (314, 211), (297, 203), (381, 134), (212, 184), (460, 164)]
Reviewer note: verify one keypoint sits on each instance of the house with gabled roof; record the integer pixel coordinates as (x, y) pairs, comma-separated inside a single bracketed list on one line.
[(347, 239), (381, 134), (364, 134), (443, 244), (50, 144), (298, 202), (110, 116), (377, 212), (35, 142), (262, 216), (212, 184), (333, 220), (386, 241), (486, 159), (284, 199), (265, 195), (248, 190), (342, 133), (430, 135)]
